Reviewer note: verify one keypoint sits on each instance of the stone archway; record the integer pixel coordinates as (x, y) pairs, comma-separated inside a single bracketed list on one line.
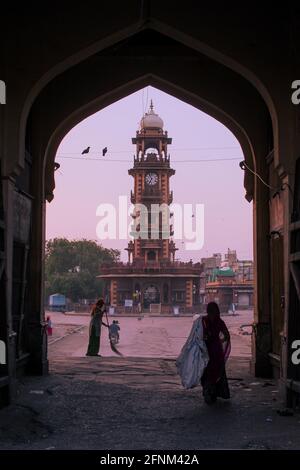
[(244, 83), (248, 146), (250, 139)]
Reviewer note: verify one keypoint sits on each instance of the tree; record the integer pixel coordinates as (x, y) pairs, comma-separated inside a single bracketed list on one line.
[(71, 267)]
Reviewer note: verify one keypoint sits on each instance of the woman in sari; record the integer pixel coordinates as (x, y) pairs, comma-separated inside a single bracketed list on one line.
[(217, 339), (95, 328)]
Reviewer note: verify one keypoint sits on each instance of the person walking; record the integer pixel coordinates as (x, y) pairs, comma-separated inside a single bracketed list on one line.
[(217, 339), (114, 329)]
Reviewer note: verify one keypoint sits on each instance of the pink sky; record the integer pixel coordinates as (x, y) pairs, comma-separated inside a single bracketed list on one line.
[(82, 183)]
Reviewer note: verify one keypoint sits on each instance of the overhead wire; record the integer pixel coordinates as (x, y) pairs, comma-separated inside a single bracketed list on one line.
[(88, 159), (244, 165), (177, 149)]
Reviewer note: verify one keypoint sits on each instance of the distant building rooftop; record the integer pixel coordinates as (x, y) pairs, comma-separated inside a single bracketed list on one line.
[(221, 272)]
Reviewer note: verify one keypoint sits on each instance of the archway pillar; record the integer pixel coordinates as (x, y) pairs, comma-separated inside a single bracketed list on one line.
[(114, 292), (8, 391), (290, 153), (189, 293), (35, 317), (261, 335)]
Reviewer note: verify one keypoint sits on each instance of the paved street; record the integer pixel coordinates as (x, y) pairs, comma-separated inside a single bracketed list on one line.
[(148, 337), (136, 401)]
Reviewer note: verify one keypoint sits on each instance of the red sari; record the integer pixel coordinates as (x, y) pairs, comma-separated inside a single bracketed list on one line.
[(217, 339)]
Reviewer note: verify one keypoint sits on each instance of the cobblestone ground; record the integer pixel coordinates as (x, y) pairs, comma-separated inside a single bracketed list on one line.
[(137, 402)]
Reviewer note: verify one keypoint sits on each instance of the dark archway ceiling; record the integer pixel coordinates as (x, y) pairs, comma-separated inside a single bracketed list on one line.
[(148, 57)]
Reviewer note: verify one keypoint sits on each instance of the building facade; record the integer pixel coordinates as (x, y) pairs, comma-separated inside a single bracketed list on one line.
[(211, 263), (152, 279), (225, 288)]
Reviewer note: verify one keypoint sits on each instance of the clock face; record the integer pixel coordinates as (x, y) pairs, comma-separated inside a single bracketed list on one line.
[(151, 179)]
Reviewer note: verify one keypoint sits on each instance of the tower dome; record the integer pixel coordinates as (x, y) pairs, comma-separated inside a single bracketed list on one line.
[(151, 120)]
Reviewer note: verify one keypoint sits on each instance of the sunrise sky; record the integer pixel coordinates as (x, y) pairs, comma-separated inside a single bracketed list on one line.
[(83, 182)]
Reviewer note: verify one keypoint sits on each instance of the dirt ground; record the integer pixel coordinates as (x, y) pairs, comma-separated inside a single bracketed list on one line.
[(137, 401)]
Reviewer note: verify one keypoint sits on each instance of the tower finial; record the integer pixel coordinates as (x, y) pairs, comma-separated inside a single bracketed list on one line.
[(151, 105)]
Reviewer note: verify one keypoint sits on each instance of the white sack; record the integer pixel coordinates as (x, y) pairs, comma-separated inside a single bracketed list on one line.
[(193, 357)]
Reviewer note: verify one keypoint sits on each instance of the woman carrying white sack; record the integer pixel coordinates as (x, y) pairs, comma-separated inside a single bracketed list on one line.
[(193, 358)]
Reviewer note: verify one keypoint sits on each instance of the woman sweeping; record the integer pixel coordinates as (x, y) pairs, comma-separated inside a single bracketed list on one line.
[(95, 328), (217, 339)]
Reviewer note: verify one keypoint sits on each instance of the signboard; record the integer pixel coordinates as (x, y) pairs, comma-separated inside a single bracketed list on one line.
[(128, 303)]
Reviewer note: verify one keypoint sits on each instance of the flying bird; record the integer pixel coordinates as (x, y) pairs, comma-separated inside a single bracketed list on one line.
[(85, 151), (104, 151)]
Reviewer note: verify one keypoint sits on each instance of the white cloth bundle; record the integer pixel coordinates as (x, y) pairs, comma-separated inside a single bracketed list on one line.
[(193, 358)]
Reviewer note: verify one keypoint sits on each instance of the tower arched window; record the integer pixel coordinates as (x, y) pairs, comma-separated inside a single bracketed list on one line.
[(151, 255)]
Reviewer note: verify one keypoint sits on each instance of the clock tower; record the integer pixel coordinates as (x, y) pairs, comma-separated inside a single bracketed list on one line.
[(152, 280), (151, 172)]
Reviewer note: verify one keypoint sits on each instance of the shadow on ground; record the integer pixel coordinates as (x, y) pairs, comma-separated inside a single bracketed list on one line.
[(138, 403)]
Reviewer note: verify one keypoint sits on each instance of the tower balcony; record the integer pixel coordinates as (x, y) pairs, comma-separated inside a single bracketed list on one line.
[(140, 265), (154, 194), (152, 264), (151, 244), (144, 164)]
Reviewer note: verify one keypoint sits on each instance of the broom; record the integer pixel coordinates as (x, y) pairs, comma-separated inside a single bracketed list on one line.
[(112, 346)]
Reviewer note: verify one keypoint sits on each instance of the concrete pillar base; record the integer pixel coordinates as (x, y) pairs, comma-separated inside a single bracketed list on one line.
[(37, 367), (38, 363), (261, 346)]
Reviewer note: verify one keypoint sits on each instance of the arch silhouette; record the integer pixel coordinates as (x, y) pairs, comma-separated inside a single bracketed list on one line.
[(101, 102), (142, 24)]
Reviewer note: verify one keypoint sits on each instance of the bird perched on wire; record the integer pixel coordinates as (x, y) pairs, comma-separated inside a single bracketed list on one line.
[(85, 151), (104, 151)]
